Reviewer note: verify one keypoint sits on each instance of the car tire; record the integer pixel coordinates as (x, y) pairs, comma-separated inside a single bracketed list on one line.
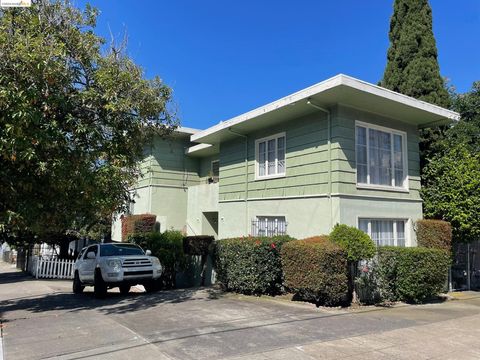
[(99, 286), (152, 286), (77, 284), (124, 289)]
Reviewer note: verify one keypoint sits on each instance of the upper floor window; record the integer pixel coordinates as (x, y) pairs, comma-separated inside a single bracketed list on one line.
[(381, 156), (270, 156)]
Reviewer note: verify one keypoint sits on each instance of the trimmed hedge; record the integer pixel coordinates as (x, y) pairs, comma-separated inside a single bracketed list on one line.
[(434, 234), (198, 245), (251, 265), (411, 274), (168, 247), (137, 224), (316, 270), (357, 244)]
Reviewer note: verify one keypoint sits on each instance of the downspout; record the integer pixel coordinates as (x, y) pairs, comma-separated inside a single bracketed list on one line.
[(329, 139), (246, 176)]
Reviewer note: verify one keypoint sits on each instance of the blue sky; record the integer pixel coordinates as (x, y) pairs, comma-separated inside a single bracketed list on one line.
[(223, 58)]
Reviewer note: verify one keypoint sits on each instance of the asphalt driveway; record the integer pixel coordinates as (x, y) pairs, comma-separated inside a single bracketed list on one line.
[(42, 319)]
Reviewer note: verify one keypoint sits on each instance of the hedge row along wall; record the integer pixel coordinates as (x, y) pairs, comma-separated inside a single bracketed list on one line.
[(434, 234), (137, 224), (316, 270), (251, 265), (411, 274)]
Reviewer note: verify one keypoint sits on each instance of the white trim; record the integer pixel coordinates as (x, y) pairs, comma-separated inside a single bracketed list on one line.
[(337, 195), (257, 155), (405, 188), (328, 84), (198, 147)]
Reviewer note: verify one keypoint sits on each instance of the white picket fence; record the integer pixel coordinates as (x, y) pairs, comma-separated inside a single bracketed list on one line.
[(52, 268)]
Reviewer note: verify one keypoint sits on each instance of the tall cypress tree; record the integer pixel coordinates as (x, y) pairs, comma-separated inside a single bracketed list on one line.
[(412, 68)]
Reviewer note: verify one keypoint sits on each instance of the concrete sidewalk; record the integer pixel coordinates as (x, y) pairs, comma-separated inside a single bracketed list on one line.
[(42, 319)]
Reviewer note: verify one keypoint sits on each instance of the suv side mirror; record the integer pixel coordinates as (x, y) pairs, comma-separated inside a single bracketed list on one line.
[(148, 253), (91, 255)]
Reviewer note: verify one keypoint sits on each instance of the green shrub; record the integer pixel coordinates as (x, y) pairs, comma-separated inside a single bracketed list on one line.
[(251, 265), (198, 245), (434, 234), (168, 247), (355, 242), (385, 269), (411, 274), (316, 270)]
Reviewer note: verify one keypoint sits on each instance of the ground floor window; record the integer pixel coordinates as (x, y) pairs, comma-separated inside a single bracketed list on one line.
[(384, 232), (269, 226)]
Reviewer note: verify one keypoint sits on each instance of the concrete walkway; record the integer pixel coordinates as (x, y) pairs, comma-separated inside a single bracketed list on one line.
[(42, 319)]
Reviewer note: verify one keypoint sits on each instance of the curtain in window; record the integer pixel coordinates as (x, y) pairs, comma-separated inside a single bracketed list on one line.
[(384, 232), (362, 155), (379, 157), (262, 158)]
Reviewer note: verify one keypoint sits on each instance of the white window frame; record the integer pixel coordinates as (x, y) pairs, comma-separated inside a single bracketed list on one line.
[(257, 156), (395, 234), (403, 134)]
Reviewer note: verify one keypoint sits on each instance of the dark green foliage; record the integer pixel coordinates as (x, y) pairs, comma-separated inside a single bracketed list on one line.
[(467, 130), (74, 119), (434, 234), (355, 242), (251, 265), (452, 191), (451, 185), (198, 245), (412, 65), (168, 247), (411, 274), (316, 270)]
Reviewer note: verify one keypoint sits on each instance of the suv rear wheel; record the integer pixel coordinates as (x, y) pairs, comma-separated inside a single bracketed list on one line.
[(99, 286)]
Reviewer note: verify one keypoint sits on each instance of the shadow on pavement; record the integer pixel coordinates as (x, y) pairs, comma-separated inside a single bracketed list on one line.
[(113, 303), (13, 276)]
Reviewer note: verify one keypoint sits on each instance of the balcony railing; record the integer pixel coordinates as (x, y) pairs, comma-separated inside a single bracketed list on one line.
[(268, 228)]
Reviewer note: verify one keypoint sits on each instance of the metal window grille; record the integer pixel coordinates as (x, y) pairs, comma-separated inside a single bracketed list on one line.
[(269, 227)]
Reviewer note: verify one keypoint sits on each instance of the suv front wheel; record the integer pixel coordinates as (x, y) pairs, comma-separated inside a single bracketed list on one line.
[(99, 286), (77, 284)]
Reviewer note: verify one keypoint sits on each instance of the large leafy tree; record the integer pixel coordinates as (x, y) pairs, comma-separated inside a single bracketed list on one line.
[(75, 116), (452, 176), (412, 64)]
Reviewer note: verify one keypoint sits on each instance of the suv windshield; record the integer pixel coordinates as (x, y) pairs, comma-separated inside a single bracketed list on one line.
[(120, 250)]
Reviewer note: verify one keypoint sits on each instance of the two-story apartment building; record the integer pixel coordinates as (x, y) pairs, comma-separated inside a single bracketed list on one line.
[(340, 151)]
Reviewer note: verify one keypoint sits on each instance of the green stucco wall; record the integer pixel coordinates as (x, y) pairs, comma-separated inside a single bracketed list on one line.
[(302, 195)]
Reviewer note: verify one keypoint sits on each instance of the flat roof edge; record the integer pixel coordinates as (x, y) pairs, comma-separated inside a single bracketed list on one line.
[(327, 84)]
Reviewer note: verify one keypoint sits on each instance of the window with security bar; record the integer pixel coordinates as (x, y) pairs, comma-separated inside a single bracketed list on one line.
[(269, 226)]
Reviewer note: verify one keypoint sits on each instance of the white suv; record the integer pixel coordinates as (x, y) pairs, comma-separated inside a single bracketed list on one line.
[(112, 265)]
